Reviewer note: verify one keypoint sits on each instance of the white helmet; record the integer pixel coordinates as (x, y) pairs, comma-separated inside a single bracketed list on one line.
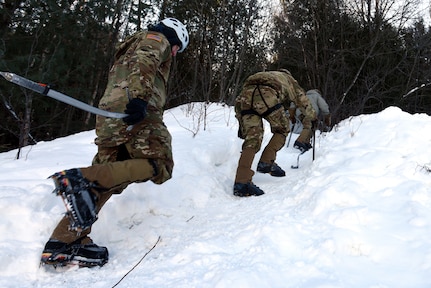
[(180, 30)]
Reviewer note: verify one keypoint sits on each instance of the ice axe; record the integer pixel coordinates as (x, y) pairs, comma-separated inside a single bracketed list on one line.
[(290, 136), (297, 161), (314, 142), (44, 89)]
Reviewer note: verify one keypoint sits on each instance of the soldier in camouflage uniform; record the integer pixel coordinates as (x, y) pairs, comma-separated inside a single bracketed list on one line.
[(136, 148), (266, 95)]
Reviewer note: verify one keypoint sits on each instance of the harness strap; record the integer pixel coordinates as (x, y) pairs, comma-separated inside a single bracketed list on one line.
[(249, 112), (253, 112), (270, 110)]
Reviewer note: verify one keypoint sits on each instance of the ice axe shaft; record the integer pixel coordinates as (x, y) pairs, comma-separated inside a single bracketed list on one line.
[(314, 143), (297, 161), (44, 89), (290, 136)]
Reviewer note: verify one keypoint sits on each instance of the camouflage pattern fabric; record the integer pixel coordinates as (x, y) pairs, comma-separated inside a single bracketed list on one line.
[(263, 91), (141, 69)]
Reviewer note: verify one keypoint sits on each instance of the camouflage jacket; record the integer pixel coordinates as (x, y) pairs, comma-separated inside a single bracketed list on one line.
[(284, 86), (141, 69)]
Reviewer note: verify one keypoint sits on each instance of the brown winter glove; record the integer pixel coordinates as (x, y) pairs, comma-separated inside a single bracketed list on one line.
[(327, 120), (292, 115)]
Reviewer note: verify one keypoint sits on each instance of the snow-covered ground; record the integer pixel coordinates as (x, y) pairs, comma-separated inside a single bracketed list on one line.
[(359, 215)]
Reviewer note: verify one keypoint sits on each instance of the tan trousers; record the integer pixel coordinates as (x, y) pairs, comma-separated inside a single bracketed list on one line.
[(269, 154), (114, 176), (244, 173), (305, 136)]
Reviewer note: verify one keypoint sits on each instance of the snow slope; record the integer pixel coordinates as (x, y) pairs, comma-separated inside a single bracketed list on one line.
[(359, 215)]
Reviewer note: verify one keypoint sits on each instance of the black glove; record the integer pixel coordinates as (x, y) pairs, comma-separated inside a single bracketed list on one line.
[(137, 110), (240, 130), (240, 135), (303, 147)]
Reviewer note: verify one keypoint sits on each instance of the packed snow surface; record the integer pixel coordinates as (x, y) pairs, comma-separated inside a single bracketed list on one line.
[(359, 215)]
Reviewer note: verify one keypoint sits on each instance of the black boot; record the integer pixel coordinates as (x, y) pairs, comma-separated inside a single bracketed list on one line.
[(58, 253), (303, 147), (245, 190), (273, 169)]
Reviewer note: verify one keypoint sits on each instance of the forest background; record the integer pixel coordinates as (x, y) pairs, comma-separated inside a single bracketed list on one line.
[(364, 55)]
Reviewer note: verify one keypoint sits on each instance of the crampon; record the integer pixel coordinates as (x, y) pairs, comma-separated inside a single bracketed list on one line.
[(58, 254), (76, 193)]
